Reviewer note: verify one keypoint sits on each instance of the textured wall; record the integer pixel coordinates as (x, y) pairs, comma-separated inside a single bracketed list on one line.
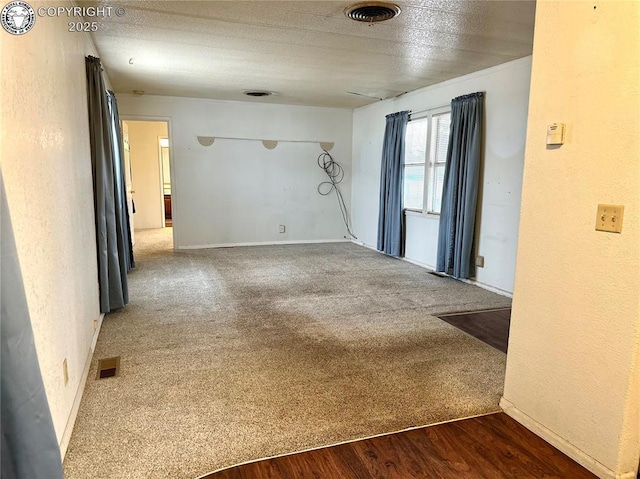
[(238, 191), (573, 352), (507, 88), (46, 166), (146, 174)]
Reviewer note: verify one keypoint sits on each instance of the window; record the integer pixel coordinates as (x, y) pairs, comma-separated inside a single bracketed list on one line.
[(426, 143)]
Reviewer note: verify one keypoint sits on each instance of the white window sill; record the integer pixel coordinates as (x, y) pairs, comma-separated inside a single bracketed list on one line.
[(433, 216)]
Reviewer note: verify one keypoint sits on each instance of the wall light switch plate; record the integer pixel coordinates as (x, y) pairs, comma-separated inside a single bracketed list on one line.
[(555, 134), (65, 372), (609, 218)]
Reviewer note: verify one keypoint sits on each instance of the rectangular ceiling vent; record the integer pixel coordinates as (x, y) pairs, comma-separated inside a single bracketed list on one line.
[(108, 367)]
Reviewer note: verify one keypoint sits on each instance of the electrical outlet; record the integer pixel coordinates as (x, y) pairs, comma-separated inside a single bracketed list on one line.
[(609, 218), (95, 324), (480, 261), (281, 229), (65, 371)]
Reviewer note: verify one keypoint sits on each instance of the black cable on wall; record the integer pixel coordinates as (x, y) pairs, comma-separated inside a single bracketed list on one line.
[(335, 172)]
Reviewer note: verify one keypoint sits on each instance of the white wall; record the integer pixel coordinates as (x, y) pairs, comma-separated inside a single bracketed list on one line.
[(507, 95), (146, 173), (572, 367), (46, 165), (238, 191)]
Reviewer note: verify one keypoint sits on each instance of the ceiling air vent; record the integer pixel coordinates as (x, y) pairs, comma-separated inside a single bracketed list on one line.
[(257, 93), (371, 12)]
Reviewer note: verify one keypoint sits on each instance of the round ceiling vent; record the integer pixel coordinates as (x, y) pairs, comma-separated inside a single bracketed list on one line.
[(257, 93), (371, 12)]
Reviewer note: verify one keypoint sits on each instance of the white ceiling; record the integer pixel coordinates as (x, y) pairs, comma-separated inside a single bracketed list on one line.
[(307, 52)]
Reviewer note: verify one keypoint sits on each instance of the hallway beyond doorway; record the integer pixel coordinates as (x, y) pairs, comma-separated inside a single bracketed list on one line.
[(148, 164)]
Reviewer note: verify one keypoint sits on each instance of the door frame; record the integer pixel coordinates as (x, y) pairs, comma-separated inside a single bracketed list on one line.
[(172, 168), (161, 159)]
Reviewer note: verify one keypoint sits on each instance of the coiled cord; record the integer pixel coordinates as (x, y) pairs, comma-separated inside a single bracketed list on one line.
[(335, 172)]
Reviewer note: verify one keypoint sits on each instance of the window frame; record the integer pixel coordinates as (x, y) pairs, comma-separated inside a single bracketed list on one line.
[(429, 164)]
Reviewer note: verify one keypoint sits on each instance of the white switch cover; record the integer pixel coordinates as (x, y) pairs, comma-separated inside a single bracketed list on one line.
[(65, 372), (555, 134), (609, 218)]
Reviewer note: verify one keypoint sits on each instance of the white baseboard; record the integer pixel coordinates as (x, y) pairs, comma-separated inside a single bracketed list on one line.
[(66, 435), (262, 243), (488, 287), (431, 267), (360, 243), (581, 457)]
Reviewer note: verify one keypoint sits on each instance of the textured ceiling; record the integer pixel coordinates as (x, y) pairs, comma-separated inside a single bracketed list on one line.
[(307, 52)]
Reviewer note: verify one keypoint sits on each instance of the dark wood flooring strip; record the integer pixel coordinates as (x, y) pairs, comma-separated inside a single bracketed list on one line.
[(492, 327), (486, 447)]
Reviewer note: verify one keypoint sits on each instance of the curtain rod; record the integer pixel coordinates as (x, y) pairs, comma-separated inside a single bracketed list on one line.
[(441, 106), (411, 112)]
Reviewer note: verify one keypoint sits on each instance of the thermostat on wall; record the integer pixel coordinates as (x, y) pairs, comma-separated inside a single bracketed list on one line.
[(555, 134)]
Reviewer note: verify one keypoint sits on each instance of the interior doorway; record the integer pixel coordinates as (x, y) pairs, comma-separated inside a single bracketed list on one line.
[(148, 161), (166, 181)]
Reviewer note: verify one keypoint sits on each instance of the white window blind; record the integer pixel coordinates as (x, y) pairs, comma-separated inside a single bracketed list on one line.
[(426, 144)]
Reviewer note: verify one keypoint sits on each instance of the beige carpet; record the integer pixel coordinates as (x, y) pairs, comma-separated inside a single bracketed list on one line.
[(239, 353)]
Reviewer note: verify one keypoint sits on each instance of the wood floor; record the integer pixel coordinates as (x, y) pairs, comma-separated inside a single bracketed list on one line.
[(486, 447), (492, 327)]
